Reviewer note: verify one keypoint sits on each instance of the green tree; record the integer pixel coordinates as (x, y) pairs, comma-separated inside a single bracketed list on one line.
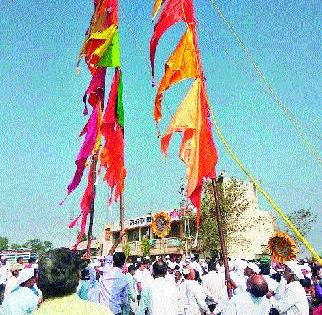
[(15, 246), (303, 219), (145, 247), (4, 243), (233, 203), (38, 246)]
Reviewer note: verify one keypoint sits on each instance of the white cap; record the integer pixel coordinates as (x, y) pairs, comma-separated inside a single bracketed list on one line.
[(295, 268), (138, 259), (253, 267), (167, 257), (171, 265), (25, 275), (306, 267), (147, 257)]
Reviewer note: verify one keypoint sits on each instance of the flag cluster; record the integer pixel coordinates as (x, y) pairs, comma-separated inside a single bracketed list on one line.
[(101, 50), (197, 149)]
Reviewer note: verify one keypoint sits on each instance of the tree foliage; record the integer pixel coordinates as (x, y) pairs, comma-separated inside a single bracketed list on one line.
[(4, 243), (303, 219), (233, 203)]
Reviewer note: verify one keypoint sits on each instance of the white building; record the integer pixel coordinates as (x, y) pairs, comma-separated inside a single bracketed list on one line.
[(255, 226)]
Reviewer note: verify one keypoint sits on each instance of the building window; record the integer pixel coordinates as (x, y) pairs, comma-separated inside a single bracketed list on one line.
[(145, 232), (133, 235), (175, 230)]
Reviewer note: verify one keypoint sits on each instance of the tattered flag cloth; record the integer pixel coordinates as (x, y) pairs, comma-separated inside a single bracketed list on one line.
[(86, 204), (181, 65), (86, 149), (197, 149), (174, 11), (101, 49), (112, 154)]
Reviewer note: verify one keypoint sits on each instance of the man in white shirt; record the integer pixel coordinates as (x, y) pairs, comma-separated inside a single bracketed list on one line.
[(293, 301), (195, 265), (214, 283), (22, 300), (252, 302), (163, 295)]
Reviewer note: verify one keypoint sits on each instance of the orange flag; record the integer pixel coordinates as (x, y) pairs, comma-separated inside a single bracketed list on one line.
[(197, 148), (182, 64), (156, 8)]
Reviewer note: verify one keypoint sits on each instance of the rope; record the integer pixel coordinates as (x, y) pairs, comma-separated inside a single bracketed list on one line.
[(299, 236), (268, 85)]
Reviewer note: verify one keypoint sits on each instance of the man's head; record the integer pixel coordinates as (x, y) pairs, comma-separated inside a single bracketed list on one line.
[(159, 269), (32, 260), (140, 266), (131, 270), (59, 272), (15, 269), (177, 275), (211, 265), (20, 260), (84, 275), (292, 272), (257, 286), (27, 278), (119, 259)]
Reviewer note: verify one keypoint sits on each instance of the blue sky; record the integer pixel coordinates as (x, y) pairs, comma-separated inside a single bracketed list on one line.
[(41, 108)]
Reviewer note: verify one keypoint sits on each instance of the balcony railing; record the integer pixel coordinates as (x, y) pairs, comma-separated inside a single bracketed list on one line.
[(171, 245)]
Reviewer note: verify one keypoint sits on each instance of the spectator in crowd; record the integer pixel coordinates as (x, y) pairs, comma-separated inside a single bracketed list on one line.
[(58, 280)]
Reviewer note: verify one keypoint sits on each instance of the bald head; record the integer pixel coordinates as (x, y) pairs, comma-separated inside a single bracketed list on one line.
[(258, 286)]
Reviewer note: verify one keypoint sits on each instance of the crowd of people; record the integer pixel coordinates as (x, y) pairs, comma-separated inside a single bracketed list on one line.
[(63, 283)]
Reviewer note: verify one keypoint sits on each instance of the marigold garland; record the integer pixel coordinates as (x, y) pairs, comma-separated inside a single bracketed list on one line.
[(161, 224), (282, 247)]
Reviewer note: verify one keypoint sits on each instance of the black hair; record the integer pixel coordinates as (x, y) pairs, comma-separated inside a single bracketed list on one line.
[(131, 268), (160, 268), (31, 260), (58, 272), (19, 258), (265, 269), (119, 259), (85, 274), (211, 265)]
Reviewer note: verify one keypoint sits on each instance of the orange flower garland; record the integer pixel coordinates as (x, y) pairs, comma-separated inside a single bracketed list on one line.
[(161, 224), (282, 247)]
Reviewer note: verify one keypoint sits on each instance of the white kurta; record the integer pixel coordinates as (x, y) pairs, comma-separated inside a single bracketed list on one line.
[(245, 304), (164, 298), (214, 284), (293, 301), (195, 298)]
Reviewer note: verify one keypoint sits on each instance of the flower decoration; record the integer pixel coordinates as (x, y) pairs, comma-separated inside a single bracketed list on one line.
[(282, 247), (161, 224)]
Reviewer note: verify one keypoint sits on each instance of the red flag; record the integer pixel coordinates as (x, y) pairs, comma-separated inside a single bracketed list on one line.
[(174, 11), (112, 154), (86, 206)]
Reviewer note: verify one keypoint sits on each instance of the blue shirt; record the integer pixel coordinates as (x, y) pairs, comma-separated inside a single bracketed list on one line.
[(21, 301), (114, 289)]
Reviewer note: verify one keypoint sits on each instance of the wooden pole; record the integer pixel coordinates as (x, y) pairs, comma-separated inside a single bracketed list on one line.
[(221, 237), (91, 216), (122, 218)]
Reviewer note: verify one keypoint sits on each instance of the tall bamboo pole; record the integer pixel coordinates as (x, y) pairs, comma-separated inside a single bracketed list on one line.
[(91, 217), (221, 237), (122, 215)]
